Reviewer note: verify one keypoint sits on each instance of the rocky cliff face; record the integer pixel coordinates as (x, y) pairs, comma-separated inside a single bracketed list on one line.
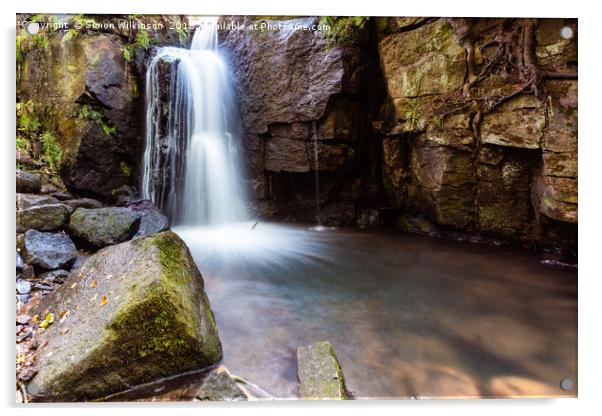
[(509, 172), (417, 123), (80, 91)]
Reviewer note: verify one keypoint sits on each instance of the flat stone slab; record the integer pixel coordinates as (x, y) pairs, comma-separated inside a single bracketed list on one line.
[(320, 373)]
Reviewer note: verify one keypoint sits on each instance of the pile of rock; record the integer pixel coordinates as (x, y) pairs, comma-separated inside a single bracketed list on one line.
[(125, 303)]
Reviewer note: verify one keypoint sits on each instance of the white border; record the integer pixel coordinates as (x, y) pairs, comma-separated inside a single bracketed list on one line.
[(590, 154)]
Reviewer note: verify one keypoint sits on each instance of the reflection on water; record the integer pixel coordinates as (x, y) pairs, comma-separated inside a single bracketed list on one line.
[(407, 315)]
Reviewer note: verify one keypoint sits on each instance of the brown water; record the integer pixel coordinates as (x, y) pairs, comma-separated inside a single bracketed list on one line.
[(407, 315)]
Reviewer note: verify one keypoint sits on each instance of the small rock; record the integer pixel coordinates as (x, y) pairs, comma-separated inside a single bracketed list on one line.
[(83, 203), (23, 287), (23, 298), (27, 273), (27, 373), (19, 262), (23, 157), (63, 195), (47, 250), (25, 201), (219, 386), (320, 373), (28, 182), (152, 221), (55, 276), (123, 195), (43, 217), (23, 319), (104, 226), (48, 188)]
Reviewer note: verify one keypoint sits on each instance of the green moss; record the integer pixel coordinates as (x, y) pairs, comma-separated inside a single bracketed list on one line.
[(69, 35), (126, 169), (53, 152), (342, 29)]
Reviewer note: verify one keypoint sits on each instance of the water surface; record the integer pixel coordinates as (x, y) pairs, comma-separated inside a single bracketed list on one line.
[(409, 316)]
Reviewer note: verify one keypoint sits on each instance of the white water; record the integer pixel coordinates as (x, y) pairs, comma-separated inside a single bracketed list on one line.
[(191, 160)]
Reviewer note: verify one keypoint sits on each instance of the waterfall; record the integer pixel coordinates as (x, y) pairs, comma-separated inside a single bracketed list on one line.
[(191, 166), (316, 171)]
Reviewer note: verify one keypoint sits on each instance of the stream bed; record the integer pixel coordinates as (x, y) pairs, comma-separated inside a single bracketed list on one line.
[(409, 316)]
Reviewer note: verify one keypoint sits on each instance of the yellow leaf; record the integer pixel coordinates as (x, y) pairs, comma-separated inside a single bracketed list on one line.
[(103, 300), (93, 284), (47, 321)]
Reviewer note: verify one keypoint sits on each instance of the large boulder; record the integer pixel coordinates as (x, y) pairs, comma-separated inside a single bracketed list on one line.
[(83, 203), (47, 250), (42, 217), (320, 373), (104, 226), (134, 313), (28, 182)]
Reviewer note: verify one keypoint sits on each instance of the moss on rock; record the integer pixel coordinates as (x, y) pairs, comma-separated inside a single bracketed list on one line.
[(137, 313)]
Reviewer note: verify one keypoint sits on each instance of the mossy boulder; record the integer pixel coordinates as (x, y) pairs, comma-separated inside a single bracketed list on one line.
[(320, 373), (104, 226), (133, 313)]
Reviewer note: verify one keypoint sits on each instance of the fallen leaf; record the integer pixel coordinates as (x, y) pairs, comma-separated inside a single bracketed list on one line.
[(103, 300), (93, 284), (47, 321), (64, 315)]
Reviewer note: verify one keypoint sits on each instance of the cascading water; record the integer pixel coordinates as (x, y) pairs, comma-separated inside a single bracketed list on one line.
[(191, 167)]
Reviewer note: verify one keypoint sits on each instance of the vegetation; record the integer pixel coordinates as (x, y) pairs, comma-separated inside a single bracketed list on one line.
[(342, 29), (87, 113), (53, 152)]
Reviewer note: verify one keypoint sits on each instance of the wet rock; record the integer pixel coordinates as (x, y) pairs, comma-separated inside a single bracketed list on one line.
[(19, 262), (219, 386), (556, 198), (48, 188), (25, 201), (23, 319), (47, 250), (136, 313), (416, 223), (152, 220), (83, 203), (320, 373), (42, 217), (55, 276), (104, 226), (23, 157), (27, 373), (28, 182), (23, 287)]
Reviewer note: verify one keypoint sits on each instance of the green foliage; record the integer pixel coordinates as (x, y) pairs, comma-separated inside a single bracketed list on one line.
[(53, 152), (41, 39), (85, 112), (142, 39), (128, 53), (126, 169), (182, 34), (68, 35), (27, 123), (48, 320), (342, 29)]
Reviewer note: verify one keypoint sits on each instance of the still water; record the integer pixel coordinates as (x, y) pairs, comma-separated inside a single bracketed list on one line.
[(409, 316)]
